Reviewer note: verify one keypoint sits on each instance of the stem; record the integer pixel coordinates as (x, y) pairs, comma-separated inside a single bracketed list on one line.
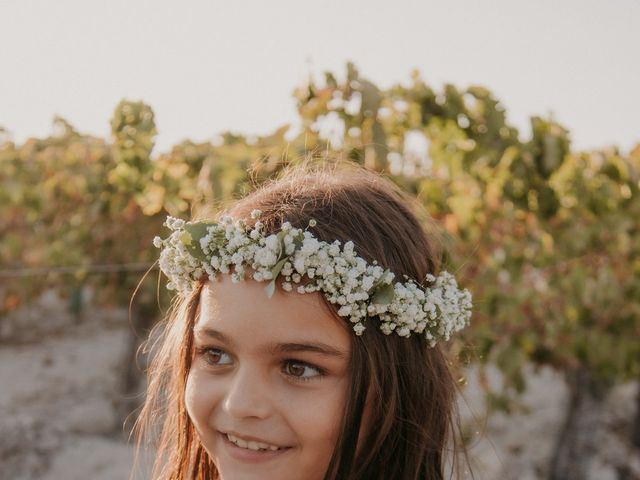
[(635, 434), (576, 442)]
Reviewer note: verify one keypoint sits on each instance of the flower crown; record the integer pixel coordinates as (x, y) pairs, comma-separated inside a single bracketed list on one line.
[(359, 289)]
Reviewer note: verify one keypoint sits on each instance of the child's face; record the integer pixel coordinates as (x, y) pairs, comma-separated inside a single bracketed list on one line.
[(266, 391)]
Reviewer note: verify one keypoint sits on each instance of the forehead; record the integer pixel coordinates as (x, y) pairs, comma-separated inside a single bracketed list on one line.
[(244, 311)]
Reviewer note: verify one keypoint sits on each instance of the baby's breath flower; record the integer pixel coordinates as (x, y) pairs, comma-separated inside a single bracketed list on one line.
[(358, 289), (272, 242)]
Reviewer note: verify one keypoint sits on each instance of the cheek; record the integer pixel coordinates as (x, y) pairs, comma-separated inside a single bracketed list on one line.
[(201, 398), (318, 419)]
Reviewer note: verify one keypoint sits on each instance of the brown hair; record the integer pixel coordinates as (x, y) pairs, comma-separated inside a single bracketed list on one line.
[(407, 386)]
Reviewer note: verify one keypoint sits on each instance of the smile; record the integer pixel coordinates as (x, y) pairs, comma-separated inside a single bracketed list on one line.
[(251, 450), (251, 445)]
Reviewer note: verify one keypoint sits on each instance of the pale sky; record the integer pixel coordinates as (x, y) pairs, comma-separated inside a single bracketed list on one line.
[(206, 66)]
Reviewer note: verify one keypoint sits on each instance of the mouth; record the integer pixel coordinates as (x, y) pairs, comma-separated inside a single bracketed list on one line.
[(253, 445)]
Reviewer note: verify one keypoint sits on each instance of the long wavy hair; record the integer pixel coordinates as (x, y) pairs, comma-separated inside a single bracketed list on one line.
[(412, 427)]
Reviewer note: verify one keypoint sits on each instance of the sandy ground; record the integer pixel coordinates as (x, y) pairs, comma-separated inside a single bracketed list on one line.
[(58, 402), (61, 391)]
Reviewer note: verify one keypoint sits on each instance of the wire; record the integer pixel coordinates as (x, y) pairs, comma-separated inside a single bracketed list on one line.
[(103, 268)]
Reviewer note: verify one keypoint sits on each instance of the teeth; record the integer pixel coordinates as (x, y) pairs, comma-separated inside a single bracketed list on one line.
[(256, 446)]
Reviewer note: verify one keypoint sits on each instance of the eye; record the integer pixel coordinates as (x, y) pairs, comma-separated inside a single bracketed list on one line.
[(215, 356), (301, 370)]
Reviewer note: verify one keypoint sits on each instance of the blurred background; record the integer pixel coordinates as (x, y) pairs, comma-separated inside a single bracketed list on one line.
[(515, 124)]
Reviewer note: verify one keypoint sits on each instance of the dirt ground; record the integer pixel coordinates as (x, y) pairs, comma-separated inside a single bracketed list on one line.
[(63, 400)]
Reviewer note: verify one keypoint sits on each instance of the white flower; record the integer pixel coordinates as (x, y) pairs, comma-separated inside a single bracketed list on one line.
[(346, 280), (310, 246), (358, 328), (174, 223), (299, 264), (266, 257), (287, 269), (403, 332)]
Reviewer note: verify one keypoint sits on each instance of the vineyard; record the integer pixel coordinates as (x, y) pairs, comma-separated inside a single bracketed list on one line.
[(546, 238)]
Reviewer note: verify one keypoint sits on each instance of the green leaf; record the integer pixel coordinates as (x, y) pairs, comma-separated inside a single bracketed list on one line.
[(378, 283), (196, 230), (275, 271), (297, 240), (270, 289), (186, 238), (384, 295), (281, 234)]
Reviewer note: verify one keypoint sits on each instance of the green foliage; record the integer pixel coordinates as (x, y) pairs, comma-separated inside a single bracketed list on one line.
[(64, 203), (132, 129), (546, 238)]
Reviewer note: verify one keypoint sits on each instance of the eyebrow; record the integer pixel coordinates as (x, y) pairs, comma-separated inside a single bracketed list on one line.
[(315, 347), (210, 332), (288, 347)]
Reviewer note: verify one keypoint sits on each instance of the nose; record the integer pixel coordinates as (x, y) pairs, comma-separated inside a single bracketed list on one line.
[(247, 395)]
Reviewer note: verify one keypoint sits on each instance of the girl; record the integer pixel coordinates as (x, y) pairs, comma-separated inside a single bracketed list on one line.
[(304, 340)]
